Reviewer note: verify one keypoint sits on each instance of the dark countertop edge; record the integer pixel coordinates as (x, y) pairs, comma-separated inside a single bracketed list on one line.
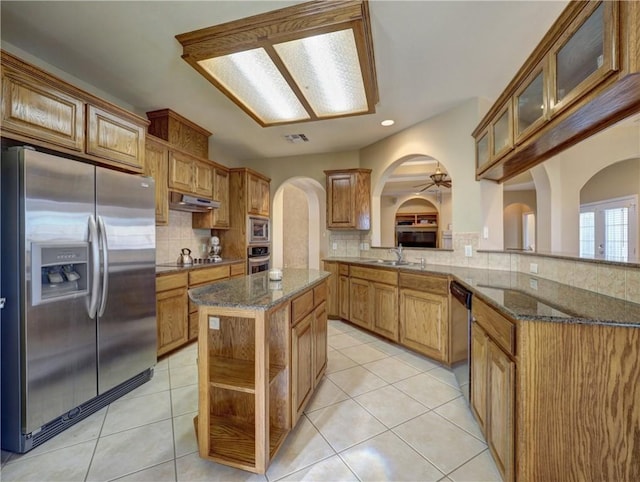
[(568, 257), (265, 307), (169, 268), (447, 270)]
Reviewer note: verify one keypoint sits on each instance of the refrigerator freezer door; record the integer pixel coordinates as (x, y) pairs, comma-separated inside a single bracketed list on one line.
[(58, 346), (127, 324)]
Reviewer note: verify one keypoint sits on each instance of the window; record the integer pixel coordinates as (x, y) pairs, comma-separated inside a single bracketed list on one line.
[(608, 229)]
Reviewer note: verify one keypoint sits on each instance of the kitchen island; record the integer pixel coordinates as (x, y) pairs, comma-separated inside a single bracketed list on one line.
[(262, 348)]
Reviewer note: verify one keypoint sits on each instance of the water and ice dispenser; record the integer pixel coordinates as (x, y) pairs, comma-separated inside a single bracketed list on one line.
[(58, 271)]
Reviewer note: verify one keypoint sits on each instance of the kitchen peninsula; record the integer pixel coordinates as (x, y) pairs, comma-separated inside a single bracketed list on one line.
[(554, 377), (262, 349)]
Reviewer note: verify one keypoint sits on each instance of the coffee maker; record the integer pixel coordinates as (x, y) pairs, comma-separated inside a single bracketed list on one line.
[(215, 250)]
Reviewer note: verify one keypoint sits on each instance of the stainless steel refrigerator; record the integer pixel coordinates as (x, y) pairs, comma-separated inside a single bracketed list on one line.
[(78, 274)]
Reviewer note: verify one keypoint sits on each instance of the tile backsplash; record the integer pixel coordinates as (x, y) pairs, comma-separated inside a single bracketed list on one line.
[(179, 234), (616, 281)]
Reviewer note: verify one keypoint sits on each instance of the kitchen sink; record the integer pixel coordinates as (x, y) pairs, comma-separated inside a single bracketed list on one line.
[(390, 262)]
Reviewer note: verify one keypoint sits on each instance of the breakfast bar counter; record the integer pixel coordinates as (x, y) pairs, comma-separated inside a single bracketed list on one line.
[(262, 349)]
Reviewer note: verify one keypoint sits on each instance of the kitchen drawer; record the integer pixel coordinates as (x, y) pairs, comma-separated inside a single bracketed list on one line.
[(319, 294), (236, 269), (499, 328), (171, 281), (387, 276), (301, 306), (423, 282), (207, 275), (343, 269)]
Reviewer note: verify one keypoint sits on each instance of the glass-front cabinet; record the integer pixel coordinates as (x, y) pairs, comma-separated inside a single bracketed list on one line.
[(482, 150), (502, 132), (584, 55), (592, 47), (530, 106)]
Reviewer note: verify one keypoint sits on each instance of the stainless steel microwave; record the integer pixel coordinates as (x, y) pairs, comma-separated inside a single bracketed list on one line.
[(258, 230)]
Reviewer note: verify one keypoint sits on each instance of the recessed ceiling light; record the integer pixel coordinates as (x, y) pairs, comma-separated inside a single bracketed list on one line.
[(388, 122), (307, 62)]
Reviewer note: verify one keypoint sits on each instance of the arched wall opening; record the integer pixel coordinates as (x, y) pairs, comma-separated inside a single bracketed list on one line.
[(383, 211), (299, 213)]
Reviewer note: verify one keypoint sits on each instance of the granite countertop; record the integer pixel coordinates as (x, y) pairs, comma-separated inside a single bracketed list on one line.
[(525, 297), (167, 268), (256, 291)]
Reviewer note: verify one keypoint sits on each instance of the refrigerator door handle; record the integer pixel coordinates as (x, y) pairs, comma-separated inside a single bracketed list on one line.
[(94, 244), (105, 265)]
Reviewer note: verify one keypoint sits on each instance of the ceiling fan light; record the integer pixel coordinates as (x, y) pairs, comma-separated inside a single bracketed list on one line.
[(252, 77)]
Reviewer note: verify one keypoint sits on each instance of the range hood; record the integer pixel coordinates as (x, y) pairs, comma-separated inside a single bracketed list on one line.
[(191, 204)]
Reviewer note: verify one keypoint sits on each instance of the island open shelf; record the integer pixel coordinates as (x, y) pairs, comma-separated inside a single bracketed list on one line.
[(246, 364)]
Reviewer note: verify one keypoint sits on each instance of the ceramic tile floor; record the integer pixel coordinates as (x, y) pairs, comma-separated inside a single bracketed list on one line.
[(380, 413)]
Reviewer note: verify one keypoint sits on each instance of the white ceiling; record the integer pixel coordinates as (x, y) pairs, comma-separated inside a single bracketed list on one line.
[(430, 56)]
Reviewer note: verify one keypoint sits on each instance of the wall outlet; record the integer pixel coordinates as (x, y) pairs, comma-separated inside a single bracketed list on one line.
[(533, 283), (468, 250), (334, 246), (533, 268), (214, 323), (485, 233)]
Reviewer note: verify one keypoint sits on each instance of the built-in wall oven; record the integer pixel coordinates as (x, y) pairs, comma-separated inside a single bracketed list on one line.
[(258, 230), (461, 335), (258, 258)]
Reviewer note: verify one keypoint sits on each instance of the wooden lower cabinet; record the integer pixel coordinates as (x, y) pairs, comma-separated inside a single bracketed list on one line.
[(308, 346), (385, 310), (302, 373), (343, 296), (172, 311), (319, 342), (500, 406), (360, 303), (493, 389), (176, 315), (478, 395), (333, 294), (424, 323)]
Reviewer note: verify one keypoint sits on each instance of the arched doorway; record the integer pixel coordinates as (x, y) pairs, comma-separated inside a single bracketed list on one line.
[(298, 232)]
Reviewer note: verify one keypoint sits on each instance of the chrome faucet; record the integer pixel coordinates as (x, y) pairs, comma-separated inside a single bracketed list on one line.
[(398, 252)]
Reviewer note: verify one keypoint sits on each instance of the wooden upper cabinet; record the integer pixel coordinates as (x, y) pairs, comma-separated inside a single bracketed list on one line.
[(221, 193), (530, 105), (258, 195), (581, 78), (584, 55), (501, 132), (179, 132), (156, 165), (36, 109), (44, 110), (216, 218), (190, 175), (203, 179), (114, 137), (180, 172), (349, 199)]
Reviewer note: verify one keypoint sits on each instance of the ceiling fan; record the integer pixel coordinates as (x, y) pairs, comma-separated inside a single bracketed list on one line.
[(438, 179)]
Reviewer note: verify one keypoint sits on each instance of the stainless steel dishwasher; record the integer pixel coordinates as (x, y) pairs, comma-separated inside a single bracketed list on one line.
[(461, 335)]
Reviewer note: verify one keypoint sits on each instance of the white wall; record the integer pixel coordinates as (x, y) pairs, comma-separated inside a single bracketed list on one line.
[(446, 138)]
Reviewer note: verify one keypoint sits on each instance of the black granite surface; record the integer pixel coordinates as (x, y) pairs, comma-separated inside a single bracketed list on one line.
[(525, 297), (256, 291)]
